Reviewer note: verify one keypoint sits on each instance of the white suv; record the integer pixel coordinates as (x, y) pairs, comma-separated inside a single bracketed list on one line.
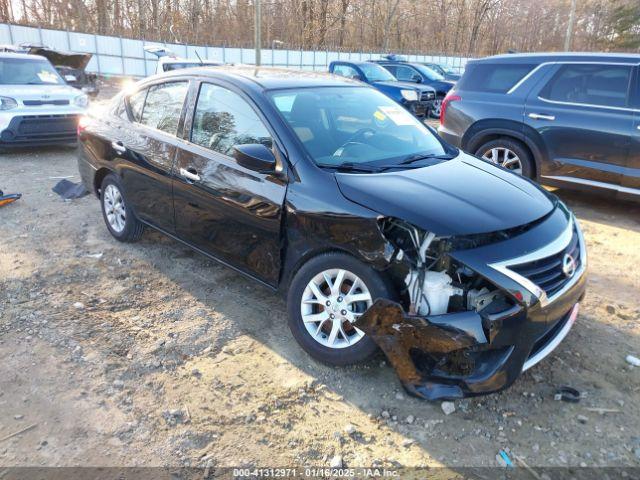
[(37, 107)]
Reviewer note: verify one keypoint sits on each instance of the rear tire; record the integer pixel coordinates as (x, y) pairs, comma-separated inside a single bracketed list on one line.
[(508, 153), (118, 216), (320, 317)]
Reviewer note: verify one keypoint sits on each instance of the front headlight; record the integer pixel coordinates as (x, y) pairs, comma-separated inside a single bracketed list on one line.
[(7, 103), (81, 101), (409, 95)]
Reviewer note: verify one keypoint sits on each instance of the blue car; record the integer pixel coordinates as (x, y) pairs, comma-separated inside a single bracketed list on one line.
[(418, 99), (420, 74)]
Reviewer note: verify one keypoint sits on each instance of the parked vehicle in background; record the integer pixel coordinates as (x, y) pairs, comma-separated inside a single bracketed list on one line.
[(418, 99), (37, 107), (418, 73), (71, 66), (376, 230), (568, 120), (446, 72), (168, 62)]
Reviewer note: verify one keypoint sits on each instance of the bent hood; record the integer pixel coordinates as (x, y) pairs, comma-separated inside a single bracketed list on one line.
[(462, 196)]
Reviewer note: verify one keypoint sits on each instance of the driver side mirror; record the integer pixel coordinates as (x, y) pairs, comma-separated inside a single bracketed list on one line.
[(416, 79), (256, 157)]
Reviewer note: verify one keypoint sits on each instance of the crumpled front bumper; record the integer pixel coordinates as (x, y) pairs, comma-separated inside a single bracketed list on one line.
[(472, 353)]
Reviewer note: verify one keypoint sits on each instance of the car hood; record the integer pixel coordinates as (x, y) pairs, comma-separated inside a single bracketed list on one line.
[(64, 59), (407, 85), (442, 85), (462, 196), (41, 92)]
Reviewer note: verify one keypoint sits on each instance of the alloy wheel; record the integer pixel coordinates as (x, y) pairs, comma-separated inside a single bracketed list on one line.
[(114, 208), (331, 302), (436, 108), (504, 157)]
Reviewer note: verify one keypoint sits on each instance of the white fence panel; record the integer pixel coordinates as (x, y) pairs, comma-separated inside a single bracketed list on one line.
[(124, 56)]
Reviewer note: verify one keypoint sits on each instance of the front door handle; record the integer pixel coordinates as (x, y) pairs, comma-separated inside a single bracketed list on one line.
[(190, 174), (118, 147), (638, 127), (542, 116)]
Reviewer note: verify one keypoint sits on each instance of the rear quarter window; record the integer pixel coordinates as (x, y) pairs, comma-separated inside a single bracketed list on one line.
[(493, 77), (590, 84)]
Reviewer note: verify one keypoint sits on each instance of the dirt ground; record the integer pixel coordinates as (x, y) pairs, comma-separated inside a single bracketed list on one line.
[(149, 354)]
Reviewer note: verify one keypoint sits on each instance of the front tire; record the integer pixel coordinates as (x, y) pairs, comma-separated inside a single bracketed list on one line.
[(325, 297), (117, 214)]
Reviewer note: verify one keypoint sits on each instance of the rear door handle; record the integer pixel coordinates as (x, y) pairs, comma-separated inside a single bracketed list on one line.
[(541, 116), (190, 175), (118, 147)]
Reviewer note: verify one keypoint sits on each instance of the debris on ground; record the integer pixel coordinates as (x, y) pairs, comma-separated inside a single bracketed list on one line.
[(448, 407), (567, 394), (631, 360), (336, 462), (69, 190), (8, 198), (503, 459), (19, 432)]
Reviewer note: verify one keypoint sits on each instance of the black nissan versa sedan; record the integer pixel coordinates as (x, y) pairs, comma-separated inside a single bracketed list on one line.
[(378, 232)]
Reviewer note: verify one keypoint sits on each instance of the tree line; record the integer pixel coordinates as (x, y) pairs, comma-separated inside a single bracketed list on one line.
[(453, 27)]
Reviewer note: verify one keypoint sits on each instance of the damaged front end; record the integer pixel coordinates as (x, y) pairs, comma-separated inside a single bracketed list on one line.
[(454, 332)]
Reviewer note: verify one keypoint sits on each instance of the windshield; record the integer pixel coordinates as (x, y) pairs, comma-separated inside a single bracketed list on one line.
[(430, 73), (357, 127), (19, 71), (375, 73)]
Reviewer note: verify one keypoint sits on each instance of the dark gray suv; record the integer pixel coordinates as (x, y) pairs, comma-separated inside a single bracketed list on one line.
[(567, 120)]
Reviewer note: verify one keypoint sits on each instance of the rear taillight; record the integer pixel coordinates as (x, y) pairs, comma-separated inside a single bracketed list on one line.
[(445, 103), (82, 124)]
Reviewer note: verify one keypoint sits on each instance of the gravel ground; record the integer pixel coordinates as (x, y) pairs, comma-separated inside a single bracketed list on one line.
[(149, 354)]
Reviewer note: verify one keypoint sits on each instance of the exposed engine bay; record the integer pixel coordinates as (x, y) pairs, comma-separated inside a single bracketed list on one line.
[(435, 285)]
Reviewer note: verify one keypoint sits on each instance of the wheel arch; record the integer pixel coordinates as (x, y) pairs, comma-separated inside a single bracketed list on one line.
[(487, 130), (292, 267), (98, 178)]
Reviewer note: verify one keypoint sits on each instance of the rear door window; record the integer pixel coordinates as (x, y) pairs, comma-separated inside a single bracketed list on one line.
[(493, 77), (163, 107), (604, 85)]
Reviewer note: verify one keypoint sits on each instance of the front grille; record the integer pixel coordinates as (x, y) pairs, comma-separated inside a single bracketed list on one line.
[(547, 273), (37, 103), (34, 129), (426, 96), (45, 125)]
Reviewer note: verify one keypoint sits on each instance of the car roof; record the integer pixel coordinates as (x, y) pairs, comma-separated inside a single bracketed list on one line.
[(267, 78), (561, 57), (21, 56)]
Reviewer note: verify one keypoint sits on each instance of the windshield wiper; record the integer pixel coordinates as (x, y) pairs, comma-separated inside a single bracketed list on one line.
[(351, 167), (430, 156), (363, 167)]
